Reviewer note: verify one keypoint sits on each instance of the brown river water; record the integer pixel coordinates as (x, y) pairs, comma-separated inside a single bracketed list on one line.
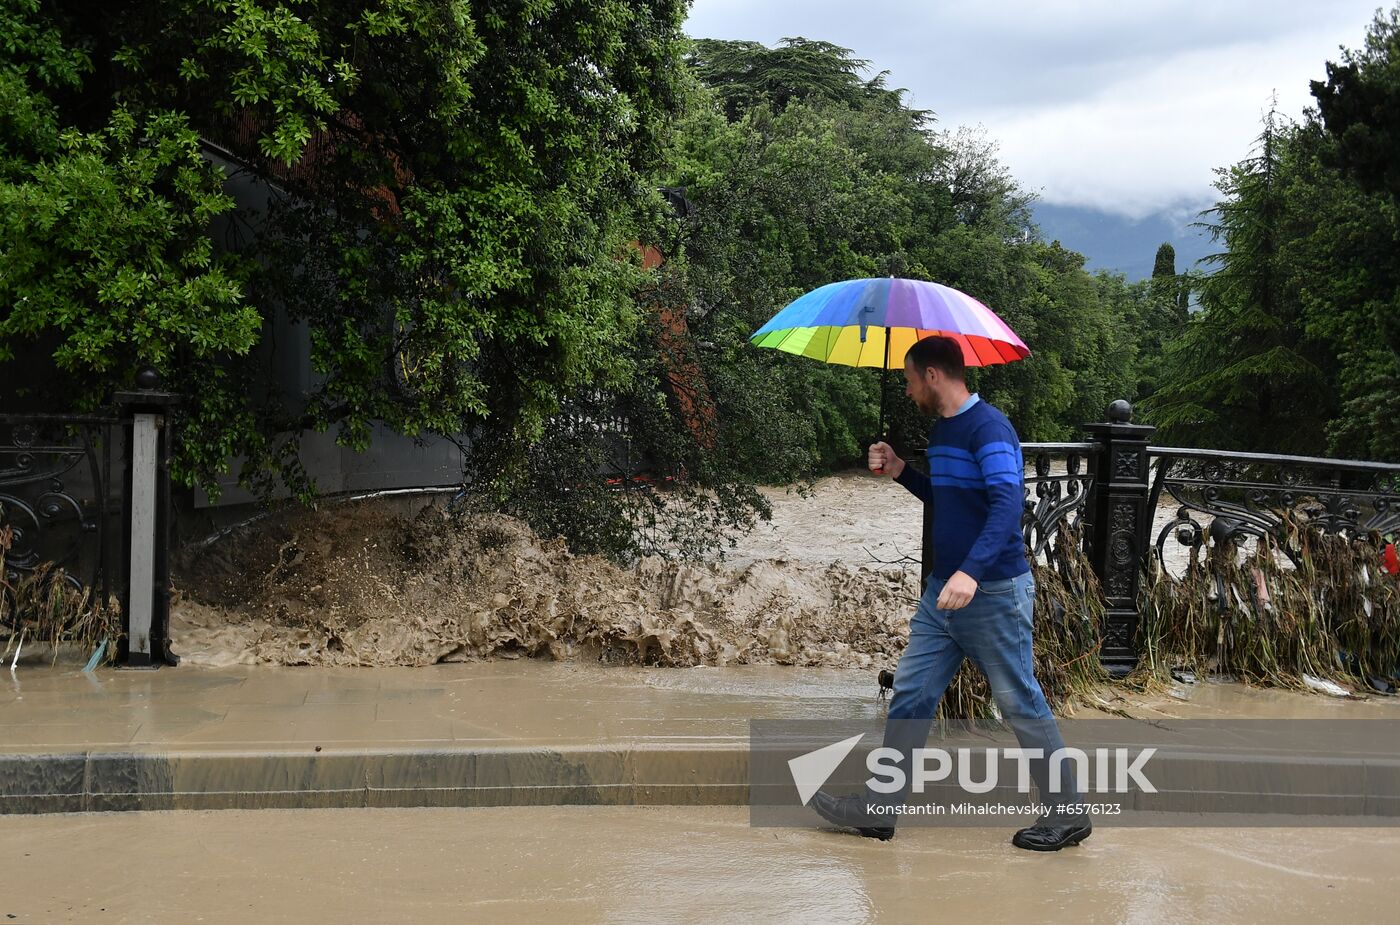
[(822, 585), (357, 584), (830, 581)]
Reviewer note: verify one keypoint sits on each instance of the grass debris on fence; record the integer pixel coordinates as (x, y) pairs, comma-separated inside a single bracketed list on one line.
[(1261, 618), (44, 605)]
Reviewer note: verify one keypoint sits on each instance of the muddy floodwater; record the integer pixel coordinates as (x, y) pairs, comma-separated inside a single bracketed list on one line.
[(664, 865), (830, 581), (862, 520), (852, 518), (360, 585)]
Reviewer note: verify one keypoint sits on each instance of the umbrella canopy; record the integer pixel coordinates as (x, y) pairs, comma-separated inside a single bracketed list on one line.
[(874, 322)]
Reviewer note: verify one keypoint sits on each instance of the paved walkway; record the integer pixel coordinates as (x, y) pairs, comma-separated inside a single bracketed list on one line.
[(507, 731), (658, 865), (523, 702)]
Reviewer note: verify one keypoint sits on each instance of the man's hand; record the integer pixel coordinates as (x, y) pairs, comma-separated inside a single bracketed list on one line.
[(958, 592), (883, 461)]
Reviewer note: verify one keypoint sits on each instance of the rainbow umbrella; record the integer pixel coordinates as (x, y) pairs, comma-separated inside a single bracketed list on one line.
[(874, 322)]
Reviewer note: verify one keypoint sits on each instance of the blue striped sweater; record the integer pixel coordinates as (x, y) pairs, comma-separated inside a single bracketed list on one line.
[(975, 484)]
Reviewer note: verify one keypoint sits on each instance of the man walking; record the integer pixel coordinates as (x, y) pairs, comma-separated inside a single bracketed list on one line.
[(978, 601)]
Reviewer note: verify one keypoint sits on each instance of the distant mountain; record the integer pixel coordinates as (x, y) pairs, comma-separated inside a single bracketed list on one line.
[(1112, 242)]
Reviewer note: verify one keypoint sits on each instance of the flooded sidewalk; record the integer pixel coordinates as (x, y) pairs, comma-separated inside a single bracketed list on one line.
[(364, 658), (521, 701), (484, 733), (667, 865)]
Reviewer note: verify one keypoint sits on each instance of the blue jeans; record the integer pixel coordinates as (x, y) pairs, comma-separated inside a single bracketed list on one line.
[(994, 630)]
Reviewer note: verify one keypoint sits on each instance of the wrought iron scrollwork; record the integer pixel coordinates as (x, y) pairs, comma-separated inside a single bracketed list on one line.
[(1187, 531), (1253, 494), (54, 479), (1054, 499)]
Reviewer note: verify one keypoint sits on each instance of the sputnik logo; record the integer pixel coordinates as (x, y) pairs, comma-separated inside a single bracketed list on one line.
[(811, 770)]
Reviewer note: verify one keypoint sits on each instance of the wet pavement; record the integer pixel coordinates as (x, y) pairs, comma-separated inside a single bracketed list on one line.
[(663, 865), (522, 702), (510, 732)]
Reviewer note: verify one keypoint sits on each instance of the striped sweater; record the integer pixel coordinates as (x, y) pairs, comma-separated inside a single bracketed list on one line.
[(975, 484)]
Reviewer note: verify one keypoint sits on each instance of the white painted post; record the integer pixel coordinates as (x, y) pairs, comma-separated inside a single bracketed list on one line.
[(145, 448), (145, 595)]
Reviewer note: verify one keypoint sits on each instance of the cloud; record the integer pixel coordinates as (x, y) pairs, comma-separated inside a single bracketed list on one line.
[(1152, 139), (1126, 106)]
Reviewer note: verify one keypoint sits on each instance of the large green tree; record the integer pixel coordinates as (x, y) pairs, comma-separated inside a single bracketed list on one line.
[(1298, 346), (1246, 365), (104, 202), (1359, 105), (460, 181), (1356, 197), (804, 171)]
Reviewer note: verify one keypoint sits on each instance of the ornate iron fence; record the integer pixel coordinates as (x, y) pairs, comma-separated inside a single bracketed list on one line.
[(594, 416), (1102, 494), (592, 412), (1058, 493), (1240, 495), (56, 500)]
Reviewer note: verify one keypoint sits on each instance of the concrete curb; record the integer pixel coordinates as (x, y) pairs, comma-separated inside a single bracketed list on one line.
[(442, 777), (1189, 782)]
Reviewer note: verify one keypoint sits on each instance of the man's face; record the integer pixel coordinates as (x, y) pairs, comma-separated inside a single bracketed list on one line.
[(918, 385)]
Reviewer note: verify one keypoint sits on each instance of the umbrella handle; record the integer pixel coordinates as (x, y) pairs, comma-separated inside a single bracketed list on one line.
[(884, 371), (885, 439)]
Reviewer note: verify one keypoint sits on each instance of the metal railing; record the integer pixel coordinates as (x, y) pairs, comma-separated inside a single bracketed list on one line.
[(1054, 498), (56, 501), (1259, 495), (57, 498)]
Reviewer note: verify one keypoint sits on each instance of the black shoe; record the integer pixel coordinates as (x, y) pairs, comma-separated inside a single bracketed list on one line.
[(849, 812), (1051, 834)]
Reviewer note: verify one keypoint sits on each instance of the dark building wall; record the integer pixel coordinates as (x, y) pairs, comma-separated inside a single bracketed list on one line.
[(284, 352)]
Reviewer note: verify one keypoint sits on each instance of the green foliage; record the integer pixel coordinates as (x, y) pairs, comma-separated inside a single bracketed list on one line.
[(801, 172), (1164, 265), (138, 277), (1343, 252), (455, 184), (559, 486), (802, 175), (518, 136), (746, 75), (1351, 252), (1245, 366), (1359, 105), (1298, 346), (102, 230), (453, 189)]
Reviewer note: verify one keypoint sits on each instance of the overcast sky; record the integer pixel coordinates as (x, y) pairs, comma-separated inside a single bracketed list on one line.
[(1125, 105)]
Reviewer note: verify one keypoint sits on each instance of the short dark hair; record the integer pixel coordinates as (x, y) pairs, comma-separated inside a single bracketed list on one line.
[(938, 352)]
